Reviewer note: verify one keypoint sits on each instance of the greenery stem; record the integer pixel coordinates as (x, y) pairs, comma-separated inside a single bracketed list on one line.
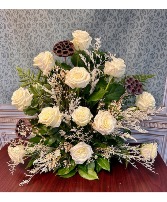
[(77, 92)]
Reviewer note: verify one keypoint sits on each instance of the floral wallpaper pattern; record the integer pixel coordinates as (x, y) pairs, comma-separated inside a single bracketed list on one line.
[(137, 36)]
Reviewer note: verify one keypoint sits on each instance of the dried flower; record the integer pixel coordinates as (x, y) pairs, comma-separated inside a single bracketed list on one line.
[(23, 128), (133, 86), (64, 48)]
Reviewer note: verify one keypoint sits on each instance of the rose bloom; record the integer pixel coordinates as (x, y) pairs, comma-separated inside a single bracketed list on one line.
[(115, 68), (104, 122), (81, 40), (81, 116), (78, 77), (21, 98), (149, 151), (81, 152), (50, 116), (145, 101), (45, 62), (16, 153)]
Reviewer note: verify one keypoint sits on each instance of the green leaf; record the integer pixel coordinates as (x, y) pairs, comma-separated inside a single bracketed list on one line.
[(39, 75), (100, 144), (47, 86), (102, 162), (87, 174), (27, 77), (30, 163), (42, 131), (50, 140), (67, 170), (86, 90), (91, 166), (143, 77), (53, 131), (34, 121), (98, 168), (34, 102), (101, 84), (97, 95), (119, 140), (70, 174), (76, 59), (30, 111), (35, 139), (115, 91), (65, 66), (33, 90)]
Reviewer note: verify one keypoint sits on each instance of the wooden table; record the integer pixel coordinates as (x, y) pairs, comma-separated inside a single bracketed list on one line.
[(118, 180)]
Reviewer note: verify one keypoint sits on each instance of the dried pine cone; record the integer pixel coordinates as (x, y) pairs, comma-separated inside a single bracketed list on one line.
[(64, 49), (133, 86), (23, 128)]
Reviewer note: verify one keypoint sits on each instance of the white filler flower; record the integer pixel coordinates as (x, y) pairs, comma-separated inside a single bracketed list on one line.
[(81, 152), (81, 116), (115, 68), (149, 151), (21, 98), (145, 101), (104, 122), (81, 40), (50, 116), (78, 77), (16, 153), (45, 62)]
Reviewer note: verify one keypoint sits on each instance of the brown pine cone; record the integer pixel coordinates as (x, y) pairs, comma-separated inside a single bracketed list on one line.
[(133, 86), (64, 48), (23, 128)]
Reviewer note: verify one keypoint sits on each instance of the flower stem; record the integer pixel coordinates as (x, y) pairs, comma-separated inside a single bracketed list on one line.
[(77, 59), (111, 79)]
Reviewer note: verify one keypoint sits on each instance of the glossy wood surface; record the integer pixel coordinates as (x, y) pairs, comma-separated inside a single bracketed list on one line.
[(118, 180)]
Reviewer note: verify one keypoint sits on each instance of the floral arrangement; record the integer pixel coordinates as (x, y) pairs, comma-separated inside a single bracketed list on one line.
[(83, 108)]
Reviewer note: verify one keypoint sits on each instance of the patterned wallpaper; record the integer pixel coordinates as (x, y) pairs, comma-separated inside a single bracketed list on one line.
[(138, 36)]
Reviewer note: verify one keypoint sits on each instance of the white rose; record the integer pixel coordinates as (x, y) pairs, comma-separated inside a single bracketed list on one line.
[(21, 98), (104, 122), (115, 68), (16, 153), (81, 40), (50, 116), (145, 101), (149, 151), (45, 62), (78, 77), (81, 116), (81, 152)]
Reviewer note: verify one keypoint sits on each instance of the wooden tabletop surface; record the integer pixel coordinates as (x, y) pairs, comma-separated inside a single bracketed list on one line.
[(118, 180)]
